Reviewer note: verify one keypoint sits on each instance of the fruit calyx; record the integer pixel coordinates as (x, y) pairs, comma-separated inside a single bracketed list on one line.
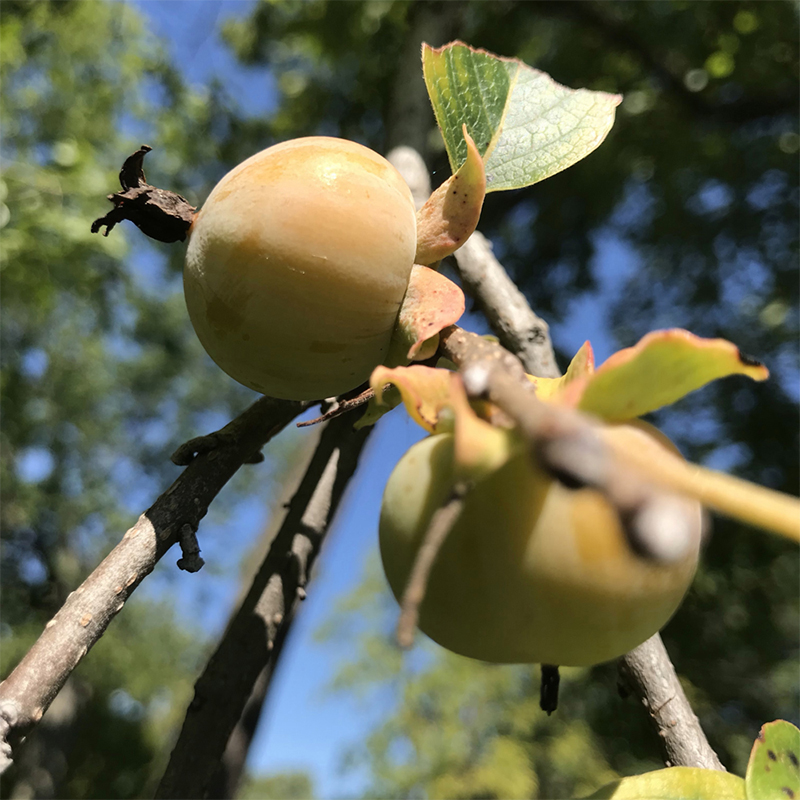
[(159, 213)]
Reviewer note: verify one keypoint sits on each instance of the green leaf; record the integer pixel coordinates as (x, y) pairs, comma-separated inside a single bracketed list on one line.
[(526, 126), (662, 368), (773, 772), (675, 783)]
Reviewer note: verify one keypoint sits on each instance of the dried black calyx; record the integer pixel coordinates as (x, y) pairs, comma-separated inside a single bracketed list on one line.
[(158, 213)]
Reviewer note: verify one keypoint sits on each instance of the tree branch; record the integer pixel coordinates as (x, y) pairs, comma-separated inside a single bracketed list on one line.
[(252, 644), (648, 671), (28, 691), (510, 316), (483, 277), (660, 525), (652, 678)]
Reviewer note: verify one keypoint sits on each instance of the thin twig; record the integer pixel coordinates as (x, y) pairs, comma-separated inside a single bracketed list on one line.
[(28, 691), (440, 526), (342, 406), (252, 643)]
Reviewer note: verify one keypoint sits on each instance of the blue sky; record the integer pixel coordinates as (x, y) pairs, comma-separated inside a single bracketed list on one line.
[(305, 727)]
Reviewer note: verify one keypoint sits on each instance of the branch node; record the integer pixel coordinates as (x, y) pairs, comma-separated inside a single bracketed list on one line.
[(662, 528), (476, 380), (191, 561)]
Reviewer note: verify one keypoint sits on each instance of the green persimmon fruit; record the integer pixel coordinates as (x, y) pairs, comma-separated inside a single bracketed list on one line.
[(297, 265), (531, 572)]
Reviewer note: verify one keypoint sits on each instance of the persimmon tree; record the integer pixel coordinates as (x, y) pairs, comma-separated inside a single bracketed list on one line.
[(505, 126)]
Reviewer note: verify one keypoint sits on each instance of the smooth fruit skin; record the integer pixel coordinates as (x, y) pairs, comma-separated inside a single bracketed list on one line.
[(297, 265), (531, 572)]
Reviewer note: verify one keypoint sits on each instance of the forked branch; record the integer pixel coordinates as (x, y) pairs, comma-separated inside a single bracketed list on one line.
[(28, 691)]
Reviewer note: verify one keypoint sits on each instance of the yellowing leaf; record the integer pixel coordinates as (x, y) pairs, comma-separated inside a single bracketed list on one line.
[(580, 368), (435, 399), (451, 213), (480, 448), (663, 367), (675, 783), (425, 391), (773, 772)]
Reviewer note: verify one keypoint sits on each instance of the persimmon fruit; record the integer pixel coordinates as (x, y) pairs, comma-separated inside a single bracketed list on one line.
[(297, 265), (531, 572)]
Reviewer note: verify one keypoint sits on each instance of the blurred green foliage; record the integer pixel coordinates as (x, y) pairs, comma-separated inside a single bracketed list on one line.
[(286, 786), (101, 376), (695, 193)]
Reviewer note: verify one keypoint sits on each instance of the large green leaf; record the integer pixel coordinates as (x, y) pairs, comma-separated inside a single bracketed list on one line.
[(675, 783), (773, 772), (526, 126)]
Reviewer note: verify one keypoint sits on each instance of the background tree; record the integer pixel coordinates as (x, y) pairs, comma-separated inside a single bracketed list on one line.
[(686, 217), (101, 375)]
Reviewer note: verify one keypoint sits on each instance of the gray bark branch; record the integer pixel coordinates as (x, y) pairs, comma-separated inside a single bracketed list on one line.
[(648, 671), (28, 691), (251, 645), (510, 316)]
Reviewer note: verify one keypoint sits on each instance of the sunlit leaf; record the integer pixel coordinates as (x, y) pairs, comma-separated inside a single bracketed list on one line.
[(773, 772), (581, 367), (451, 213), (662, 368), (526, 126), (675, 783), (425, 391)]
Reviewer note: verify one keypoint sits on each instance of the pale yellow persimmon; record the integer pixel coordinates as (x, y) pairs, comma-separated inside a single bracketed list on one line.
[(532, 572), (297, 265)]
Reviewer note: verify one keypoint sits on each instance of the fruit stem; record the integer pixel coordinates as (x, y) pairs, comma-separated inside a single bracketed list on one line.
[(160, 214), (733, 497)]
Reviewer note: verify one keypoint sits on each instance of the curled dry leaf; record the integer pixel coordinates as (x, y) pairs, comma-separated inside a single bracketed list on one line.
[(451, 214), (432, 302)]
